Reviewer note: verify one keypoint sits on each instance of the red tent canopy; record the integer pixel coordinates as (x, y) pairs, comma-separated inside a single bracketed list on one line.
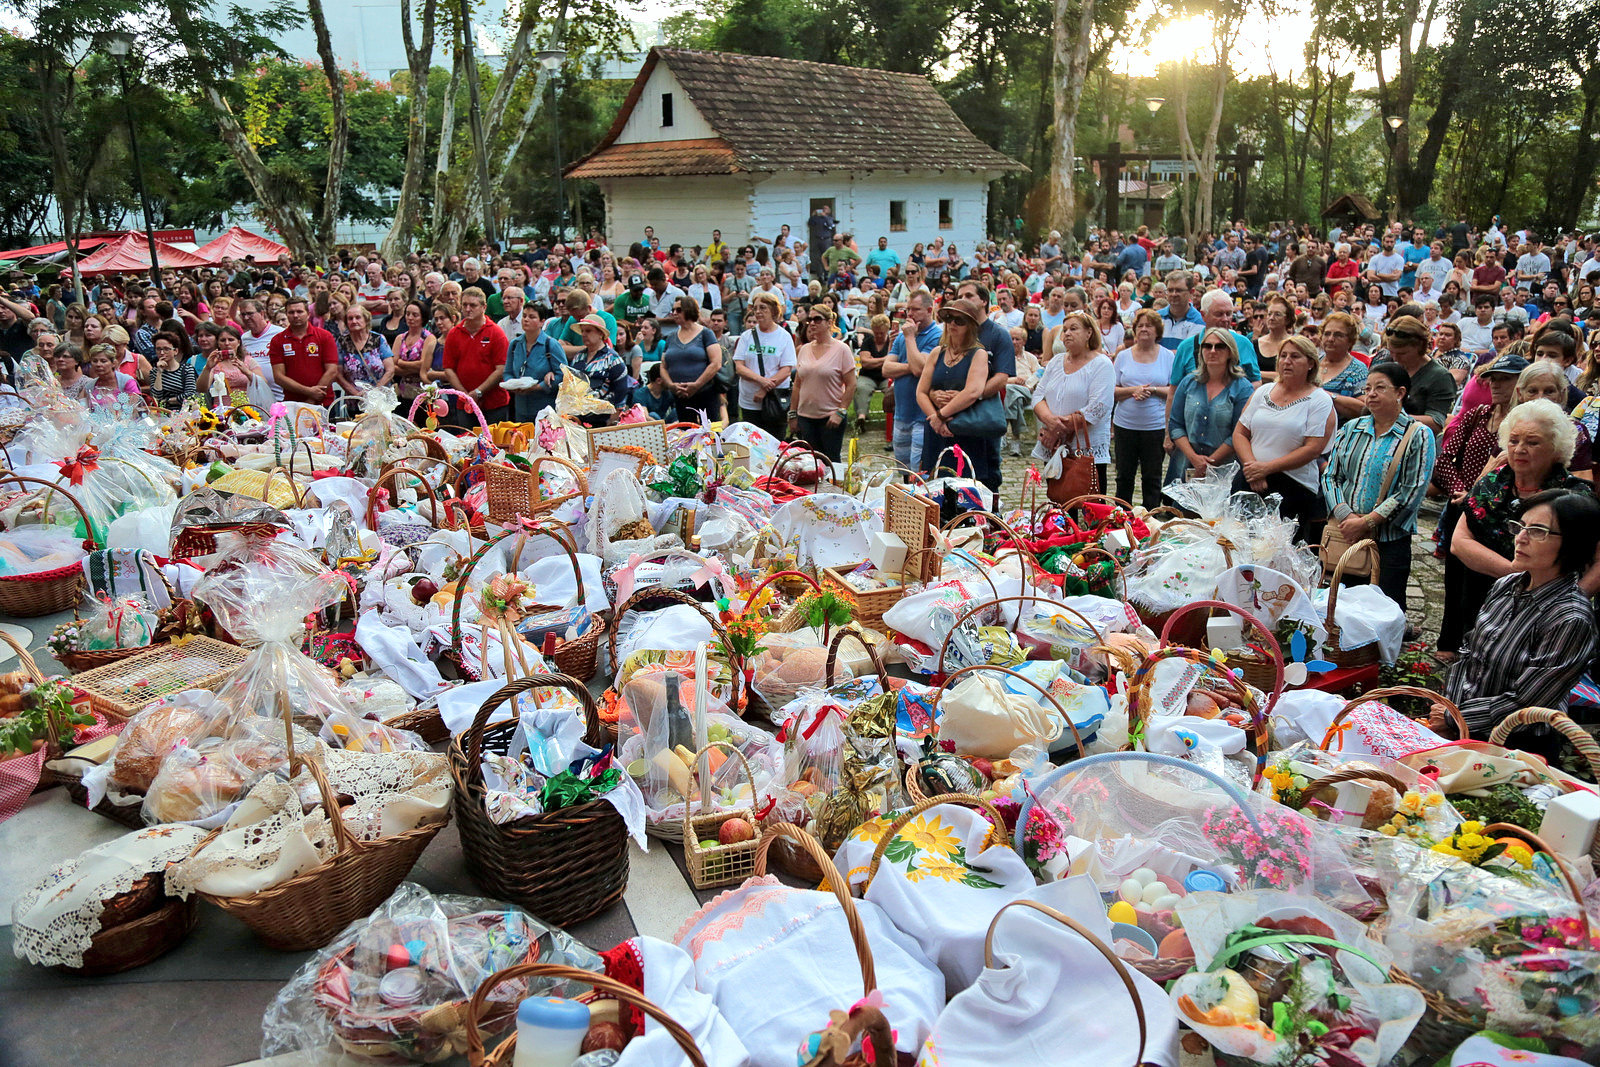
[(130, 254), (239, 243), (53, 248)]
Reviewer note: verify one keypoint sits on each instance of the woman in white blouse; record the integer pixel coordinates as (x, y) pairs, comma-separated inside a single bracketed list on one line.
[(703, 292), (1076, 392), (1285, 427)]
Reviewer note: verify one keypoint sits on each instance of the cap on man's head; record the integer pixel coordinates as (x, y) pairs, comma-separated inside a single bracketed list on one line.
[(1509, 364), (636, 281)]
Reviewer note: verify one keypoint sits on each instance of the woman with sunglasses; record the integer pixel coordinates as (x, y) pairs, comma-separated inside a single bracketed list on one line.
[(1538, 439), (1206, 405), (824, 383), (1284, 429), (1534, 634)]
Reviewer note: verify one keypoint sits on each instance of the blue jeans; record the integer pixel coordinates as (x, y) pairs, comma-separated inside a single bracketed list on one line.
[(908, 440)]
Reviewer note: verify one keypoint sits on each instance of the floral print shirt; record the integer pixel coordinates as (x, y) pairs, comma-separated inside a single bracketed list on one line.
[(1493, 502)]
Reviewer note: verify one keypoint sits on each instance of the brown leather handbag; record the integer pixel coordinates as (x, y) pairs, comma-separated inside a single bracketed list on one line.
[(1079, 476)]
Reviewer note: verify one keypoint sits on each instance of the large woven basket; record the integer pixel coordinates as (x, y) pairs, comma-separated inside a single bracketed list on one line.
[(123, 944), (1334, 731), (27, 596), (718, 634), (608, 988), (577, 657), (310, 910), (513, 491), (563, 866)]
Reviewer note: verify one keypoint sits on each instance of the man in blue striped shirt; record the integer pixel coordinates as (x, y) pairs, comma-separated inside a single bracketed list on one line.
[(1372, 492)]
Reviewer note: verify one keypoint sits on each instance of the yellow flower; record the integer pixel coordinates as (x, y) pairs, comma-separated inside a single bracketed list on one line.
[(930, 835), (937, 867), (1387, 830), (1434, 800), (1471, 826), (1522, 855), (1398, 821)]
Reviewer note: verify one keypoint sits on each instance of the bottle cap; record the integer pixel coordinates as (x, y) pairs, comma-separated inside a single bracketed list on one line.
[(1202, 881), (553, 1013)]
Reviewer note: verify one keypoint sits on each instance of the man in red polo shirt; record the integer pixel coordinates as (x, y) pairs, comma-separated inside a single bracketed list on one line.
[(305, 358), (475, 360)]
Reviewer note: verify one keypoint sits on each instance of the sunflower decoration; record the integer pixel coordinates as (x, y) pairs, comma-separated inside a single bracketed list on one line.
[(205, 424)]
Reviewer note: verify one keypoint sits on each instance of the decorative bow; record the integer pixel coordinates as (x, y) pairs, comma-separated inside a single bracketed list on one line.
[(624, 577), (637, 413), (87, 459)]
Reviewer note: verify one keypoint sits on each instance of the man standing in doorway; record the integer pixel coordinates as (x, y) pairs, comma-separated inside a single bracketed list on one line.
[(820, 227)]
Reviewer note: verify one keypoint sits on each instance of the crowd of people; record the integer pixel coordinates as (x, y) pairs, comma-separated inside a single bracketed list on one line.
[(1357, 374)]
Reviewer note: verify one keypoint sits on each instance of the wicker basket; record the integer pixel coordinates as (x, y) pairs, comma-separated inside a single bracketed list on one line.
[(1263, 672), (722, 864), (608, 988), (792, 617), (1338, 655), (1336, 730), (1139, 698), (564, 866), (1000, 836), (972, 609), (737, 705), (310, 909), (815, 477), (576, 657), (510, 492), (27, 596), (440, 511), (78, 662), (1353, 774), (120, 689), (139, 941), (949, 683)]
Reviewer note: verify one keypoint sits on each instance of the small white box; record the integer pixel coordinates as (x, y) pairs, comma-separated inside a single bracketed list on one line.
[(887, 552), (1225, 632), (1115, 541), (1569, 824)]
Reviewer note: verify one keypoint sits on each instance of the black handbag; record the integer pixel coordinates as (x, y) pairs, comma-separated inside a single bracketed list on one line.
[(774, 408), (986, 418)]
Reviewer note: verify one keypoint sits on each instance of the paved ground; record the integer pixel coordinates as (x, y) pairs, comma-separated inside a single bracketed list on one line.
[(201, 1005)]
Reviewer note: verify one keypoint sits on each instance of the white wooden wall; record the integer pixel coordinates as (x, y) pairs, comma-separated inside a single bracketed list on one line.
[(683, 210), (644, 123), (861, 203)]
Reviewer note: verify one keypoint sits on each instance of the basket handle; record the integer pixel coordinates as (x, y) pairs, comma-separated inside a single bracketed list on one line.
[(473, 736), (971, 609), (599, 982), (1538, 843), (24, 657), (795, 450), (1274, 653), (851, 630), (1338, 571), (1116, 564), (769, 579), (538, 482), (1099, 946), (342, 838), (1145, 676), (463, 585), (678, 597), (694, 776), (88, 527), (1586, 745), (985, 808), (938, 695), (1357, 774), (388, 475), (288, 474), (1334, 732), (977, 513), (835, 881)]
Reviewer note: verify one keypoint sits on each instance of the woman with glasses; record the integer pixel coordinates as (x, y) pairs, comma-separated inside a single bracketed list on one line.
[(1284, 430), (1343, 376), (365, 359), (824, 384), (1206, 405), (1534, 633), (1538, 439), (1275, 321)]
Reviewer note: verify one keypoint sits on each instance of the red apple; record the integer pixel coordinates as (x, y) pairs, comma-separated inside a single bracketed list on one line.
[(423, 590), (734, 831), (983, 767)]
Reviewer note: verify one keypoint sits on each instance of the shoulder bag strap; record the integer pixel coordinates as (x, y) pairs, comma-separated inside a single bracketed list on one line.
[(1394, 460)]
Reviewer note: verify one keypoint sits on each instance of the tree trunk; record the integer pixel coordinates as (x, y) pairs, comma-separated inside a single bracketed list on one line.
[(289, 219), (1414, 179), (506, 164), (1580, 177), (397, 242), (442, 212), (1070, 58), (339, 139)]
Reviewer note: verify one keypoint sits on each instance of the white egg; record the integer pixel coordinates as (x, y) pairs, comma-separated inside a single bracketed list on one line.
[(1144, 876), (1154, 892), (1166, 902), (1131, 891)]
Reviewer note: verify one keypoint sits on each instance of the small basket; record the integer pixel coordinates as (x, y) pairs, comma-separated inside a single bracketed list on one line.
[(78, 662), (1339, 656), (27, 596), (131, 944), (1266, 669), (723, 864), (871, 604), (120, 689), (608, 988), (1334, 731), (310, 909), (510, 492), (677, 596), (563, 866), (412, 532)]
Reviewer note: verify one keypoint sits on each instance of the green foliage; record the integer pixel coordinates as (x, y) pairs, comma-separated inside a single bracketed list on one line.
[(49, 709), (1504, 803)]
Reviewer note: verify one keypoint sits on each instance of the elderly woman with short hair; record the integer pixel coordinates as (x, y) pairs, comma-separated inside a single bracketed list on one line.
[(1538, 439)]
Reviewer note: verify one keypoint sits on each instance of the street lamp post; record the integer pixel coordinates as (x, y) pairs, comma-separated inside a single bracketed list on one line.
[(1394, 122), (551, 59), (118, 43)]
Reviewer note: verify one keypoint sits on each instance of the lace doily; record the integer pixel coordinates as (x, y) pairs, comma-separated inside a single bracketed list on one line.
[(270, 839), (55, 921)]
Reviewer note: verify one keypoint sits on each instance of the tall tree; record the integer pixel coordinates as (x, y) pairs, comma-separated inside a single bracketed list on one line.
[(206, 46), (419, 57), (1071, 38), (1227, 19)]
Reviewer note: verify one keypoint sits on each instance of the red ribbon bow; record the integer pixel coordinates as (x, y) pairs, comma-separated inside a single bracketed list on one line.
[(85, 461)]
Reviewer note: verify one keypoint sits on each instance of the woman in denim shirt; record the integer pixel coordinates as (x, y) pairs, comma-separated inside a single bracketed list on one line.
[(540, 359), (1206, 406)]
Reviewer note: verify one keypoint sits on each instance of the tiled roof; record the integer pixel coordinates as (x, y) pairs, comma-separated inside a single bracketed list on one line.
[(708, 155), (787, 114)]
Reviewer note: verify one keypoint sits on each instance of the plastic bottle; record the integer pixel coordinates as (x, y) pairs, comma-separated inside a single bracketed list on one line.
[(550, 1032)]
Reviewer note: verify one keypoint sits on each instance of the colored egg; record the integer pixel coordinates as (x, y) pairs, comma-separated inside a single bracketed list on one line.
[(1122, 912)]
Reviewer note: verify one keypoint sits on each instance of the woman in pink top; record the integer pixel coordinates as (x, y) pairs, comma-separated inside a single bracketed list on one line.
[(824, 382)]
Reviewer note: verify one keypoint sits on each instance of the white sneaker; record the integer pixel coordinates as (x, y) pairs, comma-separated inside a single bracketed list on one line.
[(1016, 447)]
